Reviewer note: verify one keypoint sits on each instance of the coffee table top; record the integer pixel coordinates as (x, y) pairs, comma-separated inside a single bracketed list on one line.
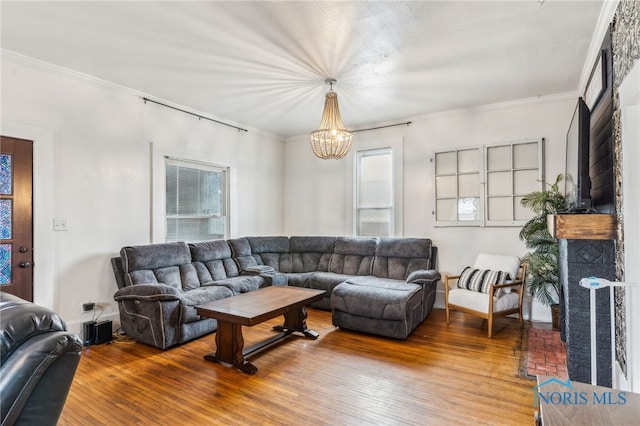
[(260, 305)]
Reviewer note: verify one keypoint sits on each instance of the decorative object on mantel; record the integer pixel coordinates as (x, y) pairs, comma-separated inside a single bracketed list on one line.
[(542, 279), (331, 140)]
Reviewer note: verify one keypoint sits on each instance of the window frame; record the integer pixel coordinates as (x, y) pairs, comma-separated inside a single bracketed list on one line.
[(224, 211), (396, 145), (360, 154)]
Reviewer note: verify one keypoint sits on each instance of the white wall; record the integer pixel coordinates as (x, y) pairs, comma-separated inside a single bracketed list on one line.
[(93, 167), (317, 192)]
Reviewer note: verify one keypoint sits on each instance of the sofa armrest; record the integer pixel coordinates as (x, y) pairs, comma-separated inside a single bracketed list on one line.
[(148, 292), (258, 270), (424, 276), (270, 275)]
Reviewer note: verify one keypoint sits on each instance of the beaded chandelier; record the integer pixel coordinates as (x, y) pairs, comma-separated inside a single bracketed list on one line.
[(331, 140)]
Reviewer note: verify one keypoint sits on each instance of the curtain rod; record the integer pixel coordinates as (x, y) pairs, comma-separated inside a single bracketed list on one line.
[(194, 114), (406, 123)]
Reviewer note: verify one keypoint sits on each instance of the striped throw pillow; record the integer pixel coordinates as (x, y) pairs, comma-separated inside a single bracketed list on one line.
[(481, 280)]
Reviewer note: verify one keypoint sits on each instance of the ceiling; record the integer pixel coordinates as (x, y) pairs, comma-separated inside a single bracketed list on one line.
[(262, 64)]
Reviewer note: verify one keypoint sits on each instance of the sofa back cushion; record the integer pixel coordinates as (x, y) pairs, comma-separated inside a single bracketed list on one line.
[(271, 251), (241, 253), (397, 258), (353, 255), (213, 261), (311, 254), (167, 263)]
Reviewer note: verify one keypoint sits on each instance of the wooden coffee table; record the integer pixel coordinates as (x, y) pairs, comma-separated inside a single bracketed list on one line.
[(253, 308)]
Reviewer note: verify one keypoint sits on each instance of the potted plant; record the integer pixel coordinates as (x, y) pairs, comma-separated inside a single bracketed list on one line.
[(542, 261)]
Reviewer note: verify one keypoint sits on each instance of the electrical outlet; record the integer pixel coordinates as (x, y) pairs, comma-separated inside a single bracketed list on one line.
[(89, 306)]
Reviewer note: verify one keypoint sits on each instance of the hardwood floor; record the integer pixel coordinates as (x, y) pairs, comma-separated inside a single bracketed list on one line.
[(442, 374)]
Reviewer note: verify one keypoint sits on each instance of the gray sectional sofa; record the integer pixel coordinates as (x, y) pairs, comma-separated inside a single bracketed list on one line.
[(383, 286)]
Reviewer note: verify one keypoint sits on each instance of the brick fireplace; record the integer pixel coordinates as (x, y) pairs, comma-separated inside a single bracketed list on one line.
[(586, 249)]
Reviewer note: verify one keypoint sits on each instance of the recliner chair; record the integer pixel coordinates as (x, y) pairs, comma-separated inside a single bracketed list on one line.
[(38, 359)]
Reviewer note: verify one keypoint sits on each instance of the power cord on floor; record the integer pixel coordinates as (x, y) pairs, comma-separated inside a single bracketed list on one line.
[(118, 336)]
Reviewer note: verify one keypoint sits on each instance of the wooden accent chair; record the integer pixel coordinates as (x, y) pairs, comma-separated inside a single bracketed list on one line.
[(470, 291)]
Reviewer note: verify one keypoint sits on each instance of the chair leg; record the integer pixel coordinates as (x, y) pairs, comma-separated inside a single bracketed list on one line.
[(520, 317), (490, 325), (446, 309)]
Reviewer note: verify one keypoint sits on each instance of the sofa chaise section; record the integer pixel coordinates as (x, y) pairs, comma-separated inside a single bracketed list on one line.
[(397, 296)]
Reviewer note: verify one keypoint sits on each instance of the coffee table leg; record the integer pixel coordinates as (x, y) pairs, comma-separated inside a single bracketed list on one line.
[(229, 347), (296, 320)]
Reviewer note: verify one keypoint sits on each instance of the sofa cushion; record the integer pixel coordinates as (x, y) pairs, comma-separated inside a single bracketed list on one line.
[(240, 284), (378, 298), (167, 263), (325, 281), (353, 256), (299, 279), (241, 253), (397, 258), (215, 256), (478, 301), (310, 254), (190, 299), (154, 256), (272, 251)]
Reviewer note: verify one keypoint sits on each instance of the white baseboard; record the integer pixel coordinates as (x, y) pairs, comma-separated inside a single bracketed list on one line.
[(619, 379)]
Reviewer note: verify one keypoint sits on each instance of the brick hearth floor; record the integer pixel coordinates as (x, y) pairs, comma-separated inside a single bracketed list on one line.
[(546, 353)]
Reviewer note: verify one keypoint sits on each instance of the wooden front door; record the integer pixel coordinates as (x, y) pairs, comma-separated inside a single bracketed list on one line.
[(16, 217)]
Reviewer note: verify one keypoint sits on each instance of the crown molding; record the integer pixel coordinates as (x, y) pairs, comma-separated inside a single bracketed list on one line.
[(537, 100), (607, 12), (46, 66)]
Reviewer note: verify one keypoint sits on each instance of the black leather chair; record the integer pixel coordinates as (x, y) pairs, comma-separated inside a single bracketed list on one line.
[(38, 359)]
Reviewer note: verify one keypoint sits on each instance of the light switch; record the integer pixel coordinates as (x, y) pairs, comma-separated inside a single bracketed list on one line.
[(60, 224)]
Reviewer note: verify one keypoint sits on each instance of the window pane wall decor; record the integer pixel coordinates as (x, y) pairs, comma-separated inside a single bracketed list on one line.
[(512, 171), (457, 183), (485, 190)]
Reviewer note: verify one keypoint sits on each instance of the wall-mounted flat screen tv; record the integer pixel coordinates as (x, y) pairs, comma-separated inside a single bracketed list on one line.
[(577, 181)]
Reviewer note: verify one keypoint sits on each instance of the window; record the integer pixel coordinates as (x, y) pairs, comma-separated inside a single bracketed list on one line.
[(196, 201), (374, 193), (483, 186)]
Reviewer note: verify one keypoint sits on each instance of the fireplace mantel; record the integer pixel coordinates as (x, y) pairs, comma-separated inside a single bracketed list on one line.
[(583, 226)]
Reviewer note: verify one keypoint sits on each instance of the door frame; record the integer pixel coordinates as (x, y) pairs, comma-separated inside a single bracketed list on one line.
[(44, 270)]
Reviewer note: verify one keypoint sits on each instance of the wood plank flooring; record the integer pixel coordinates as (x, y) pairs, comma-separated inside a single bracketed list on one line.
[(441, 375)]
